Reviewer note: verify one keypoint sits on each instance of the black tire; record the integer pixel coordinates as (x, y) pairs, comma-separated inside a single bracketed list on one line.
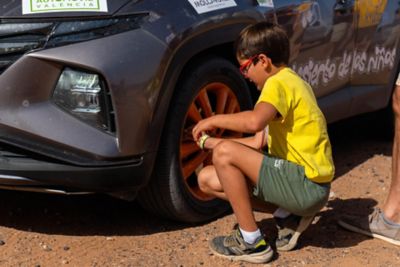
[(173, 190)]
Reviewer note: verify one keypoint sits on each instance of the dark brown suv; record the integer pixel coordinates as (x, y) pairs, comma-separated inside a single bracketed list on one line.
[(101, 96)]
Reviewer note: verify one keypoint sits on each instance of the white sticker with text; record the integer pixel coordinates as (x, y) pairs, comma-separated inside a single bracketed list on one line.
[(203, 6), (324, 71), (266, 3), (45, 6)]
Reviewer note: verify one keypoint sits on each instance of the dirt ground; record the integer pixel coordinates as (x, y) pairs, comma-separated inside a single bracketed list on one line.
[(49, 230)]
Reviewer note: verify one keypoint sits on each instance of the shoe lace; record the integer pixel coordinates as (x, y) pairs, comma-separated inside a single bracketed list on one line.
[(375, 215), (231, 240)]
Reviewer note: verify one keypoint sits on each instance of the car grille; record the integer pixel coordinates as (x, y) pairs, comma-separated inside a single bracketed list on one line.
[(16, 39)]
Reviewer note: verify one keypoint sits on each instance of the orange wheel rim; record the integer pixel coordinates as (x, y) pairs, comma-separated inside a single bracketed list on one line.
[(214, 98)]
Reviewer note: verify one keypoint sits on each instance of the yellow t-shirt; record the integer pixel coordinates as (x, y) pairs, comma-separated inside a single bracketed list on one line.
[(299, 134)]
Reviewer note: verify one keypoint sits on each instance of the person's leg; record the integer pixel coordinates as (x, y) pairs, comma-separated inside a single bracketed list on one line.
[(384, 224), (391, 208), (234, 164), (210, 184)]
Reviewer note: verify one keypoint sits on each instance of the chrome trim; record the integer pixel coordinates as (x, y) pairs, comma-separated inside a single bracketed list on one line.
[(42, 190)]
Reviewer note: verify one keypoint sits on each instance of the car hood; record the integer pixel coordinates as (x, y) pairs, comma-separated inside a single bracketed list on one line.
[(60, 8)]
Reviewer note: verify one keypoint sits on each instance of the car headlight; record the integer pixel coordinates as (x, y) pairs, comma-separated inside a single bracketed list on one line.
[(85, 96)]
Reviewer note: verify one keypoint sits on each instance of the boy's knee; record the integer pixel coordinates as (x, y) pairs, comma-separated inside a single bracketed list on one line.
[(205, 179), (222, 152)]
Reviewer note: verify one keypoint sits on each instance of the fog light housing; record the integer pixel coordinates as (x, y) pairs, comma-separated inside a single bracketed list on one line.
[(82, 94)]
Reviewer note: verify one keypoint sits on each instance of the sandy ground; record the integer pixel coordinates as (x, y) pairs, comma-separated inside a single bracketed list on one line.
[(48, 230)]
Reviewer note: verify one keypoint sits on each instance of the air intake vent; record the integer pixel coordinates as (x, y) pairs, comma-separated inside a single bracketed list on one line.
[(109, 111), (17, 39)]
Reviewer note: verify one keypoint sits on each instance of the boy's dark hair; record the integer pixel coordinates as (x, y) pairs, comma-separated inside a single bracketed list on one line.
[(264, 38)]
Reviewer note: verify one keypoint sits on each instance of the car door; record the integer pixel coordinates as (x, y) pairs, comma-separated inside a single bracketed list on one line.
[(376, 57), (321, 33), (375, 52)]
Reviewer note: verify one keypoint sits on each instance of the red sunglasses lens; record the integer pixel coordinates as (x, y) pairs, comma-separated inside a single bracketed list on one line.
[(245, 66)]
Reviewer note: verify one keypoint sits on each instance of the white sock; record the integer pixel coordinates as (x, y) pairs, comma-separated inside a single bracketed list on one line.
[(250, 237), (281, 213)]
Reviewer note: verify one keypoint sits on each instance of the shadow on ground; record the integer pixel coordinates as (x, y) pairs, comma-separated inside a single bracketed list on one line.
[(103, 215), (358, 139), (79, 215), (325, 231)]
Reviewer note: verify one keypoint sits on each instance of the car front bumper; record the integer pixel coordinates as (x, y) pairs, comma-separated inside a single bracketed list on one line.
[(44, 147), (32, 173)]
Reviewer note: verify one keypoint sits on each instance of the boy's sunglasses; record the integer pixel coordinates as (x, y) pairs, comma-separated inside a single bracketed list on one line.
[(244, 68)]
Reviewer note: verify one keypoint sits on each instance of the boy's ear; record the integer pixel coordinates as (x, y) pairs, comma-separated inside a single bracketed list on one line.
[(265, 60)]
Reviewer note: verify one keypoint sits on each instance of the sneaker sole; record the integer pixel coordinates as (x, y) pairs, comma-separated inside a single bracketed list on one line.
[(364, 232), (304, 223), (260, 257)]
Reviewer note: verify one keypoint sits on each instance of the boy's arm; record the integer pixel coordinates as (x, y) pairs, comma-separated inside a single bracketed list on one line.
[(257, 141), (251, 121)]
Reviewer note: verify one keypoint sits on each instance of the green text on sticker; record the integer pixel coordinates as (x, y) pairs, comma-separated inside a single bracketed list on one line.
[(64, 5)]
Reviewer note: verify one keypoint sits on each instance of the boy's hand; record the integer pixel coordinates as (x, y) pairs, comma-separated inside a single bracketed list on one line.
[(202, 127)]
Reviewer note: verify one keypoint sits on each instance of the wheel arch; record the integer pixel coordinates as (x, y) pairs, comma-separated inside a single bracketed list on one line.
[(182, 59), (176, 75), (173, 190)]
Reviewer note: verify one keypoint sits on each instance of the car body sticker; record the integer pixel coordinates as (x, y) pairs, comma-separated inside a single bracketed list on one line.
[(203, 6), (45, 6), (370, 12), (266, 3)]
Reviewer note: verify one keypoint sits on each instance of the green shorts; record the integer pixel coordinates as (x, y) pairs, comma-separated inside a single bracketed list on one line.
[(284, 184)]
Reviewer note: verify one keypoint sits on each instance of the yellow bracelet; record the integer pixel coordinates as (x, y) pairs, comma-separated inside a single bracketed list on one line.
[(202, 140)]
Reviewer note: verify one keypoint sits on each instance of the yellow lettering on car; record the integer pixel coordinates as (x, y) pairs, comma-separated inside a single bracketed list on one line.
[(369, 12)]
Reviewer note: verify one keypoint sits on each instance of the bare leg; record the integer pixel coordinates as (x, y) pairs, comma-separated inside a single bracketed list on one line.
[(375, 224), (391, 208), (236, 165), (210, 184)]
